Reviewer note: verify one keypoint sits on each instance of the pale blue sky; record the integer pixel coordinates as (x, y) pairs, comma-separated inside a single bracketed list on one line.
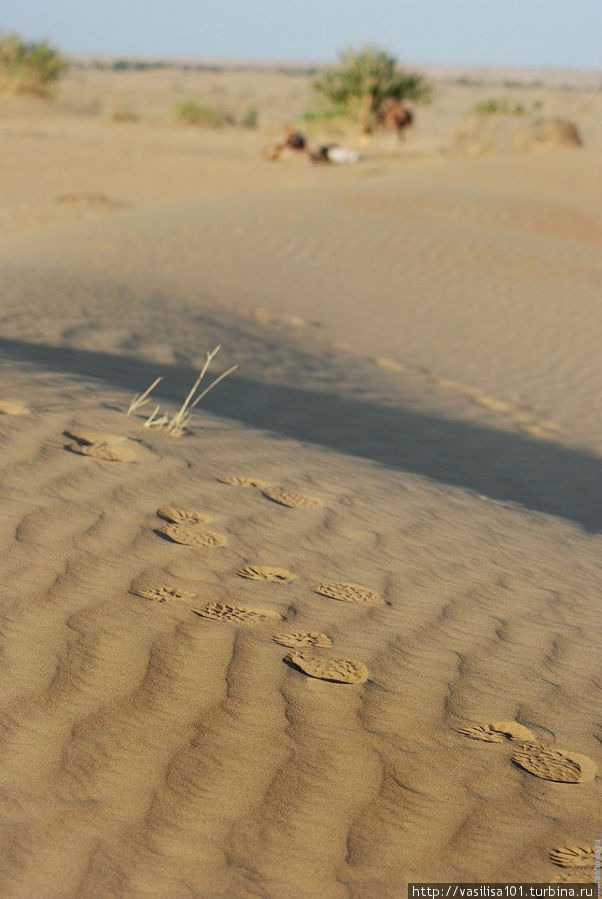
[(496, 32)]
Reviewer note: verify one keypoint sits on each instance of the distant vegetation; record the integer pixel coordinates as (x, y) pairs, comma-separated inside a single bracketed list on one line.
[(362, 82), (142, 65), (498, 107), (251, 118), (192, 113), (503, 107), (27, 66)]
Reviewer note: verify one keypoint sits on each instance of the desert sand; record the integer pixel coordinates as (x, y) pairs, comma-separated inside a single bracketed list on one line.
[(344, 634)]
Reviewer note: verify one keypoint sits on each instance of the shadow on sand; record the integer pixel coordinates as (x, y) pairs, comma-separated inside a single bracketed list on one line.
[(540, 475)]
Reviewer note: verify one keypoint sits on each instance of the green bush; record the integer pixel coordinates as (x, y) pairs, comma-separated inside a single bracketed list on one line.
[(28, 67), (361, 83), (190, 112)]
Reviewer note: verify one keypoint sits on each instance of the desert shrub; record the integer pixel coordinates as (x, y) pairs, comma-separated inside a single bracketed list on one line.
[(498, 107), (251, 118), (361, 83), (192, 113), (27, 66)]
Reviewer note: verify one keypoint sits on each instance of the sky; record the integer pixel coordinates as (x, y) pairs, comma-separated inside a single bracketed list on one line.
[(556, 33)]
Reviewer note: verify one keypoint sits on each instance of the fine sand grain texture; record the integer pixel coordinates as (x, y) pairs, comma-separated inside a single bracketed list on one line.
[(154, 744), (578, 875)]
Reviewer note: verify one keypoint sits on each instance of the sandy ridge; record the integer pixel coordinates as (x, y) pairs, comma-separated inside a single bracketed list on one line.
[(166, 702), (178, 755)]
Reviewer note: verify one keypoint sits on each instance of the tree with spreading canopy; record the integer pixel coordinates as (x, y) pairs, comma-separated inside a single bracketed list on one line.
[(363, 83)]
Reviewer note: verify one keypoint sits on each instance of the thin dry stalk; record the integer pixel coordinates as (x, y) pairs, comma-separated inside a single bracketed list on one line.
[(176, 425), (141, 399), (212, 385), (181, 413), (182, 416)]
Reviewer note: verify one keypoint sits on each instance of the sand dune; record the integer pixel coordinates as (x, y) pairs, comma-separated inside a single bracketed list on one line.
[(151, 751)]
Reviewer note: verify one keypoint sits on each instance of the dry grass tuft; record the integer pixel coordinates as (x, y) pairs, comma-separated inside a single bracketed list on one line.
[(177, 424)]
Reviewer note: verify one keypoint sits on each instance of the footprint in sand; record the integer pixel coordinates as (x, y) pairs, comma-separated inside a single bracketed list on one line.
[(266, 573), (582, 856), (192, 535), (349, 593), (219, 611), (388, 364), (448, 384), (236, 480), (559, 765), (498, 732), (106, 451), (161, 593), (475, 396), (554, 764), (89, 438), (292, 500), (271, 318), (176, 515), (490, 403), (542, 430), (7, 407), (550, 426), (539, 431), (303, 638), (342, 671)]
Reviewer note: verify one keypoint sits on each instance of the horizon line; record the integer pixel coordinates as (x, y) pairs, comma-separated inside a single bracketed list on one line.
[(269, 62)]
